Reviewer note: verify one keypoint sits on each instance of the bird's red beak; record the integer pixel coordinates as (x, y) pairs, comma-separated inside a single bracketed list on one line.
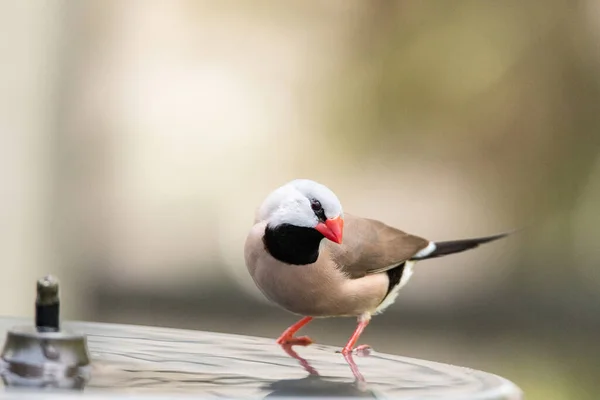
[(332, 229)]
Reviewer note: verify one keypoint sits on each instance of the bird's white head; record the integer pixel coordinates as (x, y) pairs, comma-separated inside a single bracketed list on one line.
[(305, 203)]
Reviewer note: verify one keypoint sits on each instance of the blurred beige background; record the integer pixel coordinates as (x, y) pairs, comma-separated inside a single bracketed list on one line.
[(138, 137)]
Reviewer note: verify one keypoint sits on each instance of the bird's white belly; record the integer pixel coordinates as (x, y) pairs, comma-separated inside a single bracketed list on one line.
[(391, 297)]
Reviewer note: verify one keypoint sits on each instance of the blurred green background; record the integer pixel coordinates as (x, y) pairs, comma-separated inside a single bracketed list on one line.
[(138, 138)]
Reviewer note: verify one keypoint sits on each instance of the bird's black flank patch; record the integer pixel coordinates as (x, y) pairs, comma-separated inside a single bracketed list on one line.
[(394, 275)]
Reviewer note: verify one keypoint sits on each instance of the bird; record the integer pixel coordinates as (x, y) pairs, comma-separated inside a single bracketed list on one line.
[(309, 257)]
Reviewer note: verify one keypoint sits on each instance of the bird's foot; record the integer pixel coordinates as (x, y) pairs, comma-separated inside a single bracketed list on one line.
[(295, 341), (361, 351)]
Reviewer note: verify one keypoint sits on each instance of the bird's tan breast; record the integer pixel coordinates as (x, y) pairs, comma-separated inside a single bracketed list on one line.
[(320, 289)]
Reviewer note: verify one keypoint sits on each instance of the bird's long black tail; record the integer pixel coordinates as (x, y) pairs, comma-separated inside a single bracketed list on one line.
[(457, 246)]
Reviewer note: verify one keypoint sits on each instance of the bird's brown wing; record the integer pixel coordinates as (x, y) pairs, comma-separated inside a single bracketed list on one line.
[(370, 246)]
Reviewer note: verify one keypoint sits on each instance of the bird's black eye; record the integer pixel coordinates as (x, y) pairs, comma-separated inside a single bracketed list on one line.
[(318, 209), (315, 205)]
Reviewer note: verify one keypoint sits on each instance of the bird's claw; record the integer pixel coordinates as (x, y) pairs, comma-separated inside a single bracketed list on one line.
[(362, 351), (295, 341)]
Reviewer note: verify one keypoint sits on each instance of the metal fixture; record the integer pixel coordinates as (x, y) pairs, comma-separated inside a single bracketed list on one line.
[(44, 355)]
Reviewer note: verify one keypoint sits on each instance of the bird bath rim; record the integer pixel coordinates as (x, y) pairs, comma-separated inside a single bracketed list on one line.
[(147, 360)]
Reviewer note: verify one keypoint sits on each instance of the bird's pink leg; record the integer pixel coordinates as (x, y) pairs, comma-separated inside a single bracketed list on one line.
[(363, 321), (287, 337)]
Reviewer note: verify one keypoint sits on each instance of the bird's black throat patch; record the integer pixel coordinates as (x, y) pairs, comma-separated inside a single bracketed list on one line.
[(293, 244)]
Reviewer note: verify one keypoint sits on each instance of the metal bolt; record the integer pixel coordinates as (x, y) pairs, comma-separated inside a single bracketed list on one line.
[(47, 305), (47, 290)]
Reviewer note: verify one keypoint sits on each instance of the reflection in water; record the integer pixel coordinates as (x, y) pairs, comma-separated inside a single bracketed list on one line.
[(312, 371), (314, 385), (305, 364), (354, 368)]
